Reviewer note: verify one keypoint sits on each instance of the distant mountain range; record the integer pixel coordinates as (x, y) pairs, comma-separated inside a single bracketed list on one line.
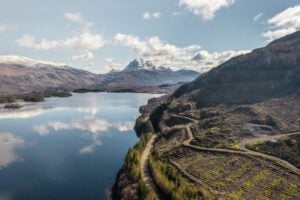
[(141, 73), (20, 74)]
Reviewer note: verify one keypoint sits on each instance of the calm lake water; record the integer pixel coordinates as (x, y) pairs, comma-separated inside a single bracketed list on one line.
[(66, 148)]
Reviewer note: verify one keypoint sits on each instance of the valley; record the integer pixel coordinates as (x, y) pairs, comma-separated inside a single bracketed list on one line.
[(19, 75), (150, 100)]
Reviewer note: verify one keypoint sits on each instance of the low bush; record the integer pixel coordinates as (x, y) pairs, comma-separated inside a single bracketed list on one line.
[(8, 99), (171, 183), (133, 157), (143, 126), (32, 97), (287, 148)]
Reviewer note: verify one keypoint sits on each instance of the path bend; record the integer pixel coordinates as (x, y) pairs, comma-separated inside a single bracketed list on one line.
[(246, 151)]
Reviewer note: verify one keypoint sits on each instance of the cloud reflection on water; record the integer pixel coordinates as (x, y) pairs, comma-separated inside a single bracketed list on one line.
[(30, 111), (95, 127), (8, 145)]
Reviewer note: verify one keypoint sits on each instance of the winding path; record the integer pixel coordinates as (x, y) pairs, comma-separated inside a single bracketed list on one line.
[(246, 151), (146, 174), (262, 138)]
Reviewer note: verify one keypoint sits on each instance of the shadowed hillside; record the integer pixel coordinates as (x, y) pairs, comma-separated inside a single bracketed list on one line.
[(270, 72)]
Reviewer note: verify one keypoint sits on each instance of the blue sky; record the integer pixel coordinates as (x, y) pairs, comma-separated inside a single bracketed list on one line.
[(99, 35)]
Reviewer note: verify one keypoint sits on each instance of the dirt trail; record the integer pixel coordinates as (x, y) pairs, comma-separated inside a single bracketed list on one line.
[(246, 151), (146, 174), (243, 151), (262, 138)]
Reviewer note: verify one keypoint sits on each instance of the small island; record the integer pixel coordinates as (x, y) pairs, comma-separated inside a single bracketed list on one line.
[(31, 97)]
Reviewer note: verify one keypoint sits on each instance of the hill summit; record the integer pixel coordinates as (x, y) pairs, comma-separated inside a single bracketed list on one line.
[(269, 72)]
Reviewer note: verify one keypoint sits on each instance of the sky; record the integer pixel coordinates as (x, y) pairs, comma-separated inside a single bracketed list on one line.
[(100, 35)]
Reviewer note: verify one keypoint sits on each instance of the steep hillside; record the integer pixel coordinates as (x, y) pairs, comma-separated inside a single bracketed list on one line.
[(270, 72), (231, 133)]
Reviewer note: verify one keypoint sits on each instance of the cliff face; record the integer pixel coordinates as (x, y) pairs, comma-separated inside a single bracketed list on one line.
[(270, 72)]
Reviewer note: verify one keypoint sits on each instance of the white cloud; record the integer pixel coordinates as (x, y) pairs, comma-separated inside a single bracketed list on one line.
[(76, 17), (205, 9), (209, 60), (9, 143), (284, 23), (94, 127), (168, 55), (108, 66), (148, 15), (257, 17), (27, 41), (90, 110), (41, 130), (176, 14), (26, 112), (5, 27), (91, 125), (132, 42), (152, 46), (87, 149), (30, 42), (84, 42), (124, 126), (275, 34), (85, 57)]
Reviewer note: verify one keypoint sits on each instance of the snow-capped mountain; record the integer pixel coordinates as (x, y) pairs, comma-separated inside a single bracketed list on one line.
[(28, 62), (141, 64), (140, 73), (19, 74)]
